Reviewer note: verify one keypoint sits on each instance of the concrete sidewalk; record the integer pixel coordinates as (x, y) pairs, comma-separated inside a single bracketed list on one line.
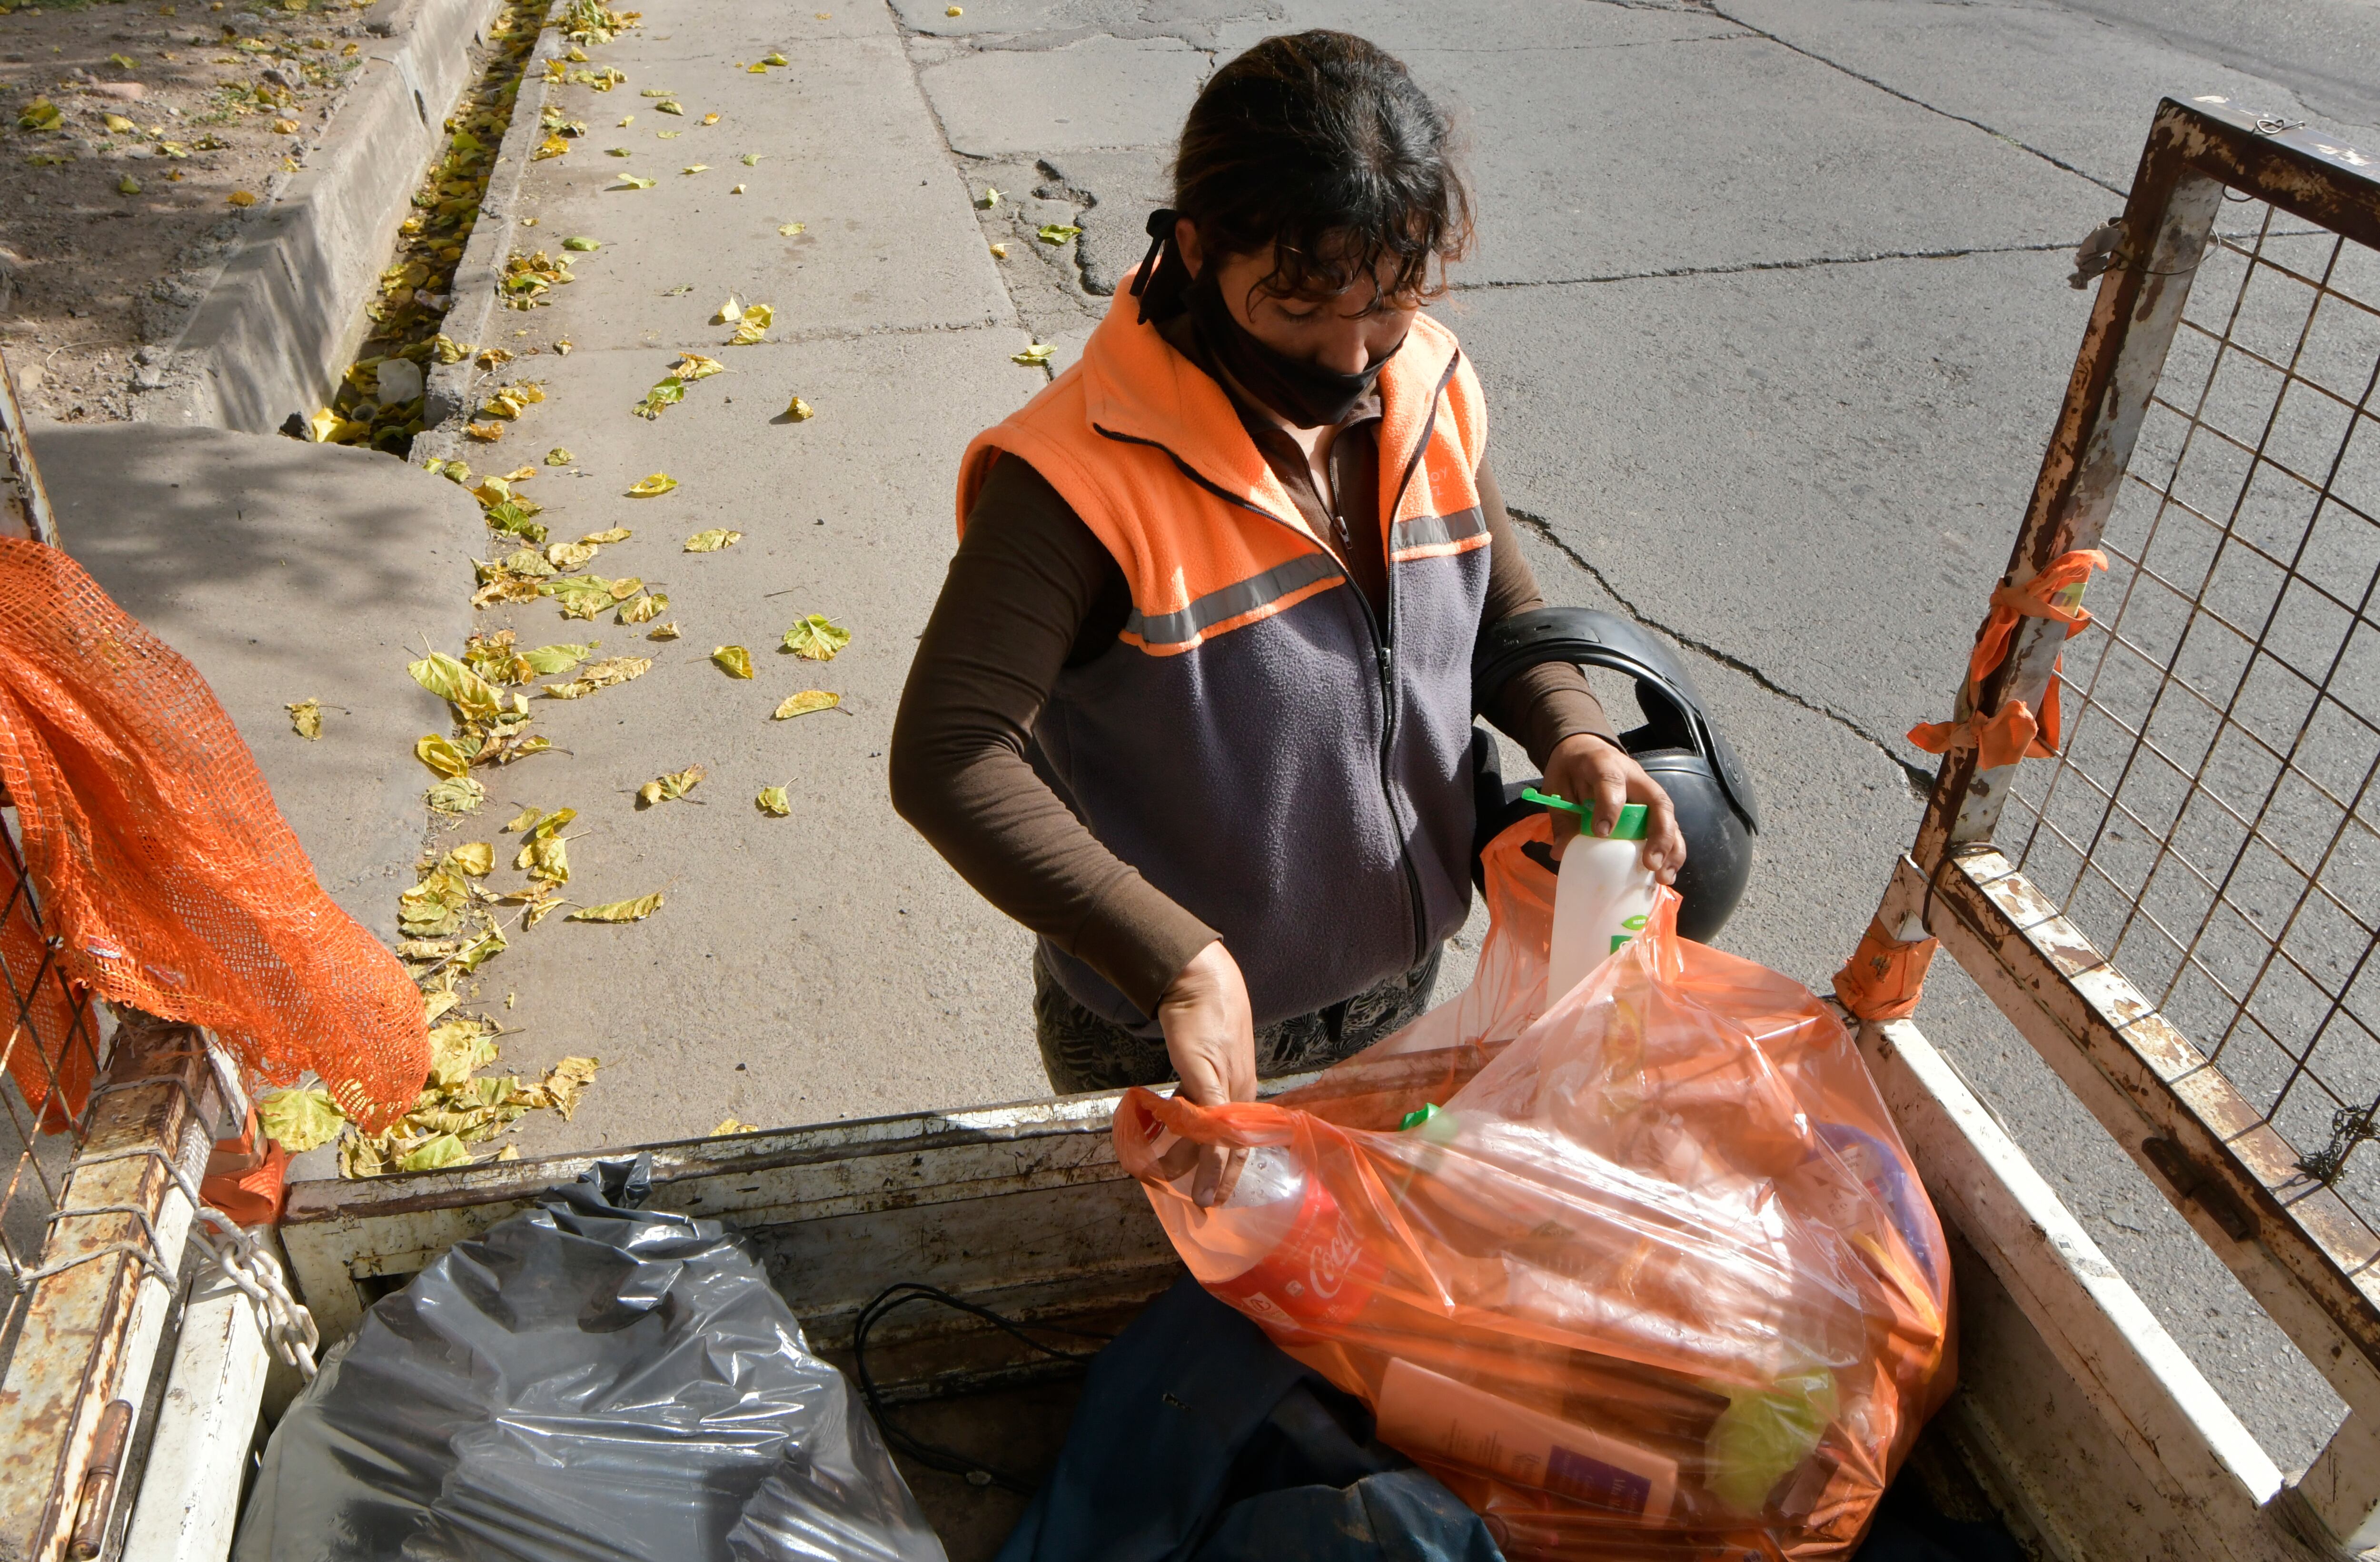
[(286, 572)]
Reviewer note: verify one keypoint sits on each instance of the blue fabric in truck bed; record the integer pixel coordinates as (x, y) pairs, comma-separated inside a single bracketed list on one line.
[(1198, 1440)]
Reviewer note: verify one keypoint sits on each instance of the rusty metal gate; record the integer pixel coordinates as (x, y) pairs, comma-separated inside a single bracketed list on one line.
[(2176, 906), (93, 1216)]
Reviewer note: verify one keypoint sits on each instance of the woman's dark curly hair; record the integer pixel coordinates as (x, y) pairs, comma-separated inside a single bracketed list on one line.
[(1319, 144)]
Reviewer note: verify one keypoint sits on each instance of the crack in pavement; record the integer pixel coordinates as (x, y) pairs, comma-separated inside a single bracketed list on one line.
[(1803, 264), (2054, 161), (1920, 780)]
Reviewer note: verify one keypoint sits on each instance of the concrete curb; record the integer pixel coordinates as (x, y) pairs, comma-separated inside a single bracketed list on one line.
[(447, 393), (286, 314)]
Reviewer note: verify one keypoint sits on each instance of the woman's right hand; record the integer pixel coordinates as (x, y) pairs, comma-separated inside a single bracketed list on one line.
[(1211, 1035)]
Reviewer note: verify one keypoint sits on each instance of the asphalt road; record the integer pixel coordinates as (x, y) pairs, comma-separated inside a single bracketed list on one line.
[(1769, 299)]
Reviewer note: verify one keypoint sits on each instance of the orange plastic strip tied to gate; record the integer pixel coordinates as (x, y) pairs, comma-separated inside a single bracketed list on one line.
[(1885, 975), (2014, 732)]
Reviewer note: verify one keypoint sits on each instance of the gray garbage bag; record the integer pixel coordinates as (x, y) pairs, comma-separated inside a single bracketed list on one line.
[(587, 1383)]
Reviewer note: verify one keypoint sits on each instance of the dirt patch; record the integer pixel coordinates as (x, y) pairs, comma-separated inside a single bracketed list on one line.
[(139, 138)]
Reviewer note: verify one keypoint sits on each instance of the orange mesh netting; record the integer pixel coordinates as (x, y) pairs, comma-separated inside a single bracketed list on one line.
[(52, 1046), (161, 859)]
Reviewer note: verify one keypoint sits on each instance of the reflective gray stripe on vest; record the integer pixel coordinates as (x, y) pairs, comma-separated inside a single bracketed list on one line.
[(1429, 531), (1245, 596)]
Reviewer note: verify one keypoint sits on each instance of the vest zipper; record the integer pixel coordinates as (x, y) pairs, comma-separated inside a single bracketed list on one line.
[(1384, 652)]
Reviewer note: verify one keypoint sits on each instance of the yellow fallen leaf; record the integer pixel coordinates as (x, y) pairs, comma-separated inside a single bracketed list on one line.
[(816, 637), (1000, 251), (711, 119), (518, 474), (652, 487), (729, 312), (242, 197), (735, 189), (297, 1120), (306, 718), (730, 1126), (733, 660), (774, 803), (789, 229), (553, 146), (569, 556), (761, 315), (662, 631), (635, 910), (486, 434), (953, 11), (544, 661), (509, 1152), (773, 59), (128, 185), (440, 754), (608, 535), (694, 366), (118, 124), (600, 674), (670, 105), (456, 794), (472, 697), (799, 411), (695, 168), (477, 859), (988, 198), (644, 609), (807, 700), (435, 1155), (558, 456), (545, 856), (524, 820), (1035, 357), (751, 160), (670, 788)]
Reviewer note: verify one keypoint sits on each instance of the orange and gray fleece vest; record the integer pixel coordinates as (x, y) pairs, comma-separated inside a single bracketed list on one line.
[(1292, 771)]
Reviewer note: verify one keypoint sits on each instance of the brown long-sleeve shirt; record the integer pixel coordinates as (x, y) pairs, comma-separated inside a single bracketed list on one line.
[(1032, 591)]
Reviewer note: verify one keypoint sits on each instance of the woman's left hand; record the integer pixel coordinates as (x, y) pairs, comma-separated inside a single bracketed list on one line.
[(1589, 769)]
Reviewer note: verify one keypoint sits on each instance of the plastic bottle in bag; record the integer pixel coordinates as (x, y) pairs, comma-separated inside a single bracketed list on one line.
[(1602, 896), (1286, 1255)]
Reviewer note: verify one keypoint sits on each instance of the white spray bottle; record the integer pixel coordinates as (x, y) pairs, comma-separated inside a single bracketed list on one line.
[(1602, 896)]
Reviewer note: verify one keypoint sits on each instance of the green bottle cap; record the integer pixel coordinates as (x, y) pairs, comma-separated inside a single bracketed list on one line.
[(1631, 826)]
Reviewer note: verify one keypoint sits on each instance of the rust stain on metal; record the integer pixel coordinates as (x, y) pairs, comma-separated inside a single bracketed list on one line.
[(70, 1356)]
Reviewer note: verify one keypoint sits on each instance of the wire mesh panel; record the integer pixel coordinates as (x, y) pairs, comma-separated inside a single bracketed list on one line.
[(51, 1054), (2154, 838), (2212, 822)]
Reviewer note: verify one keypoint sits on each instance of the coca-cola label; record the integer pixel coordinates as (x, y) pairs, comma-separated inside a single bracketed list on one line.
[(1320, 1274)]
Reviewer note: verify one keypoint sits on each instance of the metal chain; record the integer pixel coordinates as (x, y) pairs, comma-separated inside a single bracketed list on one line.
[(251, 1266)]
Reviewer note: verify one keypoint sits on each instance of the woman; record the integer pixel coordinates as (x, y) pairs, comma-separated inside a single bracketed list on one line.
[(1196, 703)]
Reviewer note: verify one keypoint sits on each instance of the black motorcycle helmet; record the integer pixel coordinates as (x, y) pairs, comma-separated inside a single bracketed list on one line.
[(1677, 745)]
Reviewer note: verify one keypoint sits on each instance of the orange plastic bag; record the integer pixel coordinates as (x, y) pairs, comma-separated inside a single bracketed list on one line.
[(162, 864), (1658, 1280)]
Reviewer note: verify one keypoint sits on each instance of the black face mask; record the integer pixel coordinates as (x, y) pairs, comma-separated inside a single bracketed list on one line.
[(1308, 394)]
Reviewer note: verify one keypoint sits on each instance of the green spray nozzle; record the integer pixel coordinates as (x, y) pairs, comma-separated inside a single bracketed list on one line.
[(1629, 827)]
